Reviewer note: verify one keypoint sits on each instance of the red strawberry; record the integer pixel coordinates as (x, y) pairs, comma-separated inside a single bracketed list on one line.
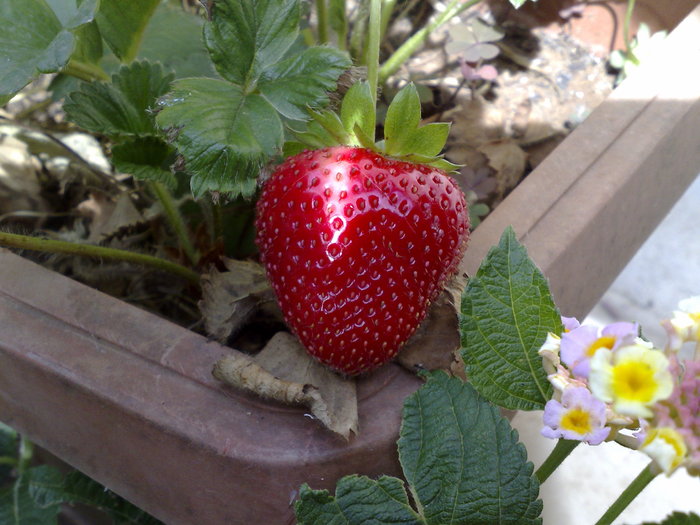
[(356, 246)]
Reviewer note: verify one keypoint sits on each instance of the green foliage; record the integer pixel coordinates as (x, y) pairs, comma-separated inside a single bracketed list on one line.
[(122, 24), (145, 158), (678, 518), (358, 501), (174, 38), (36, 40), (461, 459), (120, 108), (507, 311), (17, 506), (49, 489), (228, 127)]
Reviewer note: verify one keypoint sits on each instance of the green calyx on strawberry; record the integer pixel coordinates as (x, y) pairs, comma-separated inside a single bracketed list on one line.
[(359, 238)]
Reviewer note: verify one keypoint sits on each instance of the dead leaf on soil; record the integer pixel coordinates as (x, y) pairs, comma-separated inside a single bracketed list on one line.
[(436, 343), (284, 372), (508, 160), (109, 215), (230, 298)]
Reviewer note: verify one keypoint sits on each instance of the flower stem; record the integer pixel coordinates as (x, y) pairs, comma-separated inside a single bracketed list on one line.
[(411, 45), (322, 15), (90, 250), (631, 492), (175, 218), (561, 451), (626, 25), (85, 71), (373, 42)]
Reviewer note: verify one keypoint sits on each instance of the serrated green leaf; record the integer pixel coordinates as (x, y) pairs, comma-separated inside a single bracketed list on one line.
[(295, 83), (358, 500), (246, 37), (507, 311), (402, 119), (49, 488), (174, 38), (33, 41), (463, 460), (17, 506), (145, 159), (357, 109), (224, 134), (120, 108), (678, 518), (122, 23)]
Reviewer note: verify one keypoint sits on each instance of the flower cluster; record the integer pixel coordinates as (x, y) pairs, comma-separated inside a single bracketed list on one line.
[(606, 379)]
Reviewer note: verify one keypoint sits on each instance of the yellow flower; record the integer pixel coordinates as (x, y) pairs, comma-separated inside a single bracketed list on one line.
[(631, 378), (666, 447)]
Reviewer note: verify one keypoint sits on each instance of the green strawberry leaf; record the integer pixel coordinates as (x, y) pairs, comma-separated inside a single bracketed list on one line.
[(678, 518), (174, 38), (120, 108), (293, 84), (357, 109), (462, 459), (35, 40), (358, 500), (49, 489), (239, 130), (227, 128), (145, 158), (88, 44), (437, 162), (18, 507), (506, 313), (402, 119), (122, 24), (245, 38)]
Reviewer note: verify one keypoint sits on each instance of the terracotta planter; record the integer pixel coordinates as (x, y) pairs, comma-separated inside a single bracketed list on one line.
[(128, 398)]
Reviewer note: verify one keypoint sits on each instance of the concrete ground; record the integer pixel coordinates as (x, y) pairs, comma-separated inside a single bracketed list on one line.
[(665, 270)]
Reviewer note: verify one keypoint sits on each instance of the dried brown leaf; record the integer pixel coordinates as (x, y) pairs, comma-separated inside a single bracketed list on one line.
[(508, 160), (436, 343), (109, 215), (230, 298), (284, 372)]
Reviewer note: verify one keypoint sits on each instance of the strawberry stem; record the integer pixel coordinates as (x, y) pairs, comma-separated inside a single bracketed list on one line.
[(373, 41), (25, 242)]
